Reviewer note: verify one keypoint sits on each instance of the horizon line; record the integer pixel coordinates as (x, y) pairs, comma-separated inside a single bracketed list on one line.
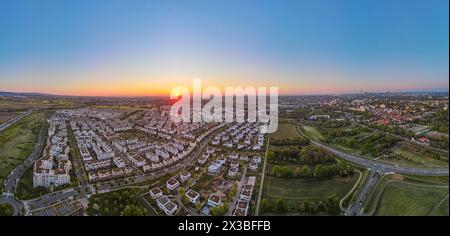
[(280, 95)]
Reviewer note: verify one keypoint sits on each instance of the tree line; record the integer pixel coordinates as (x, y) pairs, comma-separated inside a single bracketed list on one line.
[(318, 172), (292, 141), (306, 155), (329, 205)]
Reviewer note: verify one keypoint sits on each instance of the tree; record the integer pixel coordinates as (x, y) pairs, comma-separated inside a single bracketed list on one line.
[(265, 205), (280, 206), (220, 210), (318, 172), (304, 172), (132, 210), (270, 156), (181, 191), (198, 206), (6, 210)]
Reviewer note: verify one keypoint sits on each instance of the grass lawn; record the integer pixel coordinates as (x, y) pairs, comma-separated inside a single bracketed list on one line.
[(17, 142), (313, 132), (6, 209), (22, 104), (285, 130), (441, 209), (293, 191), (400, 198)]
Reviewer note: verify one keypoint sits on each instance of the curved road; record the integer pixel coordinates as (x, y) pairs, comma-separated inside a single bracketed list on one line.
[(11, 122), (14, 177), (379, 166)]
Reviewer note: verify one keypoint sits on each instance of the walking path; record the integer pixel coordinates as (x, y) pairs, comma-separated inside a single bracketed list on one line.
[(263, 174)]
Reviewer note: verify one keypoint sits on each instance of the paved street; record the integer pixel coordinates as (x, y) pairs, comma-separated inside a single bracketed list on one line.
[(383, 167), (17, 205), (50, 199), (238, 192), (263, 174), (379, 166), (11, 122), (358, 206), (14, 177)]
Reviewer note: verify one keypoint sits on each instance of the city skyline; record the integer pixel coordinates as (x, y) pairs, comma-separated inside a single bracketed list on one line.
[(146, 48)]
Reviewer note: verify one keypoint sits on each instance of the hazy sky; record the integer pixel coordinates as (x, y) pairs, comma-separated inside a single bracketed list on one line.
[(105, 47)]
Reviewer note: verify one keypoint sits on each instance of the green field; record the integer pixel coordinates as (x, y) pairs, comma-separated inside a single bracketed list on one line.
[(295, 190), (313, 132), (400, 198), (285, 130), (441, 209), (410, 156), (17, 142), (23, 104)]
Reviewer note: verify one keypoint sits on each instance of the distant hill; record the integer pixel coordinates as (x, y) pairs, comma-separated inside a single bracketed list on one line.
[(29, 95)]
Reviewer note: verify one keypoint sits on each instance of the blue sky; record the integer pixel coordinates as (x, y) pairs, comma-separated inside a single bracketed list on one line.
[(315, 46)]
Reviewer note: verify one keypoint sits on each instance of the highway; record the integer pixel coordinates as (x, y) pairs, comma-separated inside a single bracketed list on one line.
[(379, 166), (14, 177), (14, 120), (357, 208), (383, 167)]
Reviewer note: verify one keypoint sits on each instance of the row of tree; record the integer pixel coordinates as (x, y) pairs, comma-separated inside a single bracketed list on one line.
[(375, 145), (394, 129), (440, 120), (306, 155), (329, 205), (319, 172), (292, 141)]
